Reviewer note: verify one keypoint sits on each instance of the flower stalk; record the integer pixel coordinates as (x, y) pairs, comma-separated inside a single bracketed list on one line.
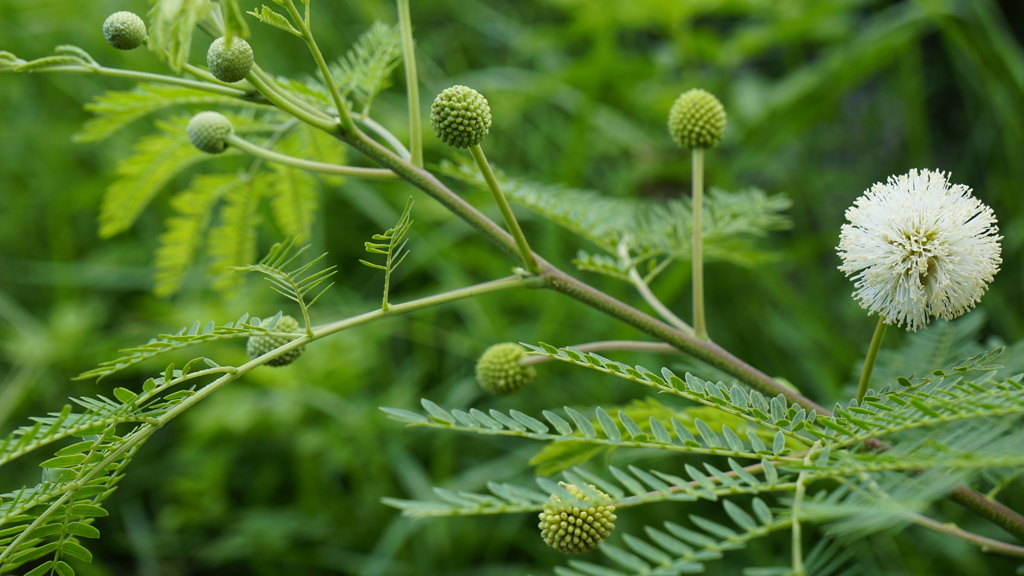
[(525, 253), (700, 326), (308, 165), (869, 360), (412, 88)]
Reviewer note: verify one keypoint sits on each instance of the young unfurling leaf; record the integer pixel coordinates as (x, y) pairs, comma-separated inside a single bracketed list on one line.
[(391, 245)]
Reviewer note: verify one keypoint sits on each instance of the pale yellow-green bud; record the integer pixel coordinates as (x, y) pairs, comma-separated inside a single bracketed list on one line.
[(697, 119), (229, 61), (573, 526), (460, 117), (261, 344), (208, 130), (124, 30), (499, 372)]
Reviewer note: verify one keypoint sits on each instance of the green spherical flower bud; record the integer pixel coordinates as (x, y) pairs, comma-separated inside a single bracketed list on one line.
[(124, 30), (572, 526), (208, 130), (259, 345), (229, 62), (460, 117), (697, 119), (499, 372)]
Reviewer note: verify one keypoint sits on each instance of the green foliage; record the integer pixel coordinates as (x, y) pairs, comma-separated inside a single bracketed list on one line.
[(391, 245), (280, 467), (115, 109), (366, 69), (187, 336), (268, 16), (172, 24), (297, 283), (656, 233), (618, 431), (675, 549), (680, 550), (157, 159), (232, 242), (785, 419), (50, 518), (293, 193), (949, 427), (631, 487), (558, 456), (235, 197), (181, 241)]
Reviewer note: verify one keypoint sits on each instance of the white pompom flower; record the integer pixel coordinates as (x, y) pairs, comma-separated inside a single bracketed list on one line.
[(919, 248)]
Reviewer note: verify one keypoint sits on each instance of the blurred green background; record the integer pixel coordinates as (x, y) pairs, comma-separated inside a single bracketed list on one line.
[(282, 473)]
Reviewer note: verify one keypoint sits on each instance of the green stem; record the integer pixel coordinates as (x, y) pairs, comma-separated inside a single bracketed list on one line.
[(344, 116), (270, 82), (205, 76), (699, 323), (385, 135), (412, 87), (797, 543), (507, 283), (148, 77), (266, 86), (308, 165), (991, 510), (703, 350), (645, 292), (869, 360), (986, 544), (506, 211)]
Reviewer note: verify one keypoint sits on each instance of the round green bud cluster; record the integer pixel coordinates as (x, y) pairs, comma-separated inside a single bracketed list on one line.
[(259, 345), (124, 30), (460, 117), (229, 62), (499, 372), (697, 119), (208, 131), (572, 527)]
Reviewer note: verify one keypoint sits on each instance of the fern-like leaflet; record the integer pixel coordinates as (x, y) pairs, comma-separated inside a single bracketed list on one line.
[(188, 336), (297, 283), (391, 245), (656, 233), (632, 486), (939, 431), (268, 16), (51, 517), (611, 431), (366, 69), (116, 109)]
